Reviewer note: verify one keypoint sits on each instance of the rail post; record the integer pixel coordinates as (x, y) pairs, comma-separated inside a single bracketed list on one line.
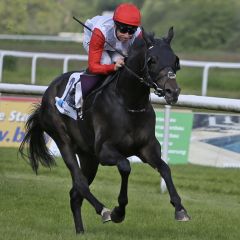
[(167, 110)]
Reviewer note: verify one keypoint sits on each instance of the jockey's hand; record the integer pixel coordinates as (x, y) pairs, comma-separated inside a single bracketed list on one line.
[(118, 64)]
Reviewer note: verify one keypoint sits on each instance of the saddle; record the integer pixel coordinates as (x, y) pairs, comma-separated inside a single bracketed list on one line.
[(80, 85)]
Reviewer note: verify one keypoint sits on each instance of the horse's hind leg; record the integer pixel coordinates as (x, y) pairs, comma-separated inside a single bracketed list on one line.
[(76, 203), (80, 183), (152, 155), (89, 166)]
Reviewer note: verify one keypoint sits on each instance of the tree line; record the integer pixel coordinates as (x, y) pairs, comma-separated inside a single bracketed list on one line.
[(198, 24)]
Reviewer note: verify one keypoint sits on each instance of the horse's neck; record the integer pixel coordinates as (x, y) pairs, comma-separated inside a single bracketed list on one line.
[(135, 94)]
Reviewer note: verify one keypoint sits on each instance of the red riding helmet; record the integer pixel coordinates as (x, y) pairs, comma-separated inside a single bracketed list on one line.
[(127, 13)]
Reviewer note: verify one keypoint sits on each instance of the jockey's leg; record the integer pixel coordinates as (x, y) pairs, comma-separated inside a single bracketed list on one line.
[(66, 103), (78, 95)]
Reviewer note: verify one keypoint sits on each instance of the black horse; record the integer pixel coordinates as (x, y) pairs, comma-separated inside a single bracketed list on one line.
[(119, 121)]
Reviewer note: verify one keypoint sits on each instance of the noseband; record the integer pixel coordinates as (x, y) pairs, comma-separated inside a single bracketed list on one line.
[(164, 75)]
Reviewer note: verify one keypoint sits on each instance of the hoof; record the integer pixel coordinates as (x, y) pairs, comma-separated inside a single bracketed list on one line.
[(106, 215), (182, 216), (116, 216)]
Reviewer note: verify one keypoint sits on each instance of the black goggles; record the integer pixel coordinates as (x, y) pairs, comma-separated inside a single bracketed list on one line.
[(126, 28)]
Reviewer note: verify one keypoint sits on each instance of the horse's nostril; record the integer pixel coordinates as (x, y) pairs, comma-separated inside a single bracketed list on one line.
[(178, 90), (168, 91)]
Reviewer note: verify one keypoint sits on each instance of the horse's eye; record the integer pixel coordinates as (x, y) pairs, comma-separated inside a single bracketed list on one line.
[(152, 60), (177, 63)]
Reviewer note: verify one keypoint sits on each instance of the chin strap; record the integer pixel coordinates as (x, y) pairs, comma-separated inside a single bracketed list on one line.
[(169, 75), (158, 91)]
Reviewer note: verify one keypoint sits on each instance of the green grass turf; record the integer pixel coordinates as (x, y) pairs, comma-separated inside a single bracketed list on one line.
[(37, 207)]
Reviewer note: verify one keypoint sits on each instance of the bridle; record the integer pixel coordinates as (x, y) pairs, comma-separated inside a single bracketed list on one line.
[(146, 79), (165, 74)]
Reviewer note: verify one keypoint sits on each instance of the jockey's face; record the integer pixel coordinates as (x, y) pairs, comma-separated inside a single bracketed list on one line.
[(123, 37), (124, 32)]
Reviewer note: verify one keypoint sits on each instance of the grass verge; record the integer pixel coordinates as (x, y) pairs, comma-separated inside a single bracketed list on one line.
[(37, 207)]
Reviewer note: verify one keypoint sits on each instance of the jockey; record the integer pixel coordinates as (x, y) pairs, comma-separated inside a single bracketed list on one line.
[(119, 30)]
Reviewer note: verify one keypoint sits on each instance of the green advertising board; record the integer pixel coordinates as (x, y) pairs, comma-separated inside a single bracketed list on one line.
[(179, 134)]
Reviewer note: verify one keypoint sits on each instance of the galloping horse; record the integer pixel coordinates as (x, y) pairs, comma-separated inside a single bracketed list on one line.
[(119, 121)]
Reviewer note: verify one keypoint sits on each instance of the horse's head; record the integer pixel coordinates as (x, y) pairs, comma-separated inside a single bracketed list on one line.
[(162, 66)]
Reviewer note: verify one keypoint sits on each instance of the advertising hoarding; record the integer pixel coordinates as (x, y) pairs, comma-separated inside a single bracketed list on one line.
[(179, 134), (14, 112)]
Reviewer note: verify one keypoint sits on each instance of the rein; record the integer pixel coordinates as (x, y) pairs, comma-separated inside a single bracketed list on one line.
[(149, 83), (145, 79), (167, 74)]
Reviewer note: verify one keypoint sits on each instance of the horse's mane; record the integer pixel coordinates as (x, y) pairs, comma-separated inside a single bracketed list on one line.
[(151, 36), (137, 44)]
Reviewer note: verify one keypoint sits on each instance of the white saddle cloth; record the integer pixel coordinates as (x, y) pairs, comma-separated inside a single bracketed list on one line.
[(62, 106)]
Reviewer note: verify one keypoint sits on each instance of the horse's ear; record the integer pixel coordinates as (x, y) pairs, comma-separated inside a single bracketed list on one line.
[(170, 35), (146, 38)]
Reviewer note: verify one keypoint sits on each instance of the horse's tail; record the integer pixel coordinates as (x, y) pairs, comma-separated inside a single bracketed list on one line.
[(37, 150)]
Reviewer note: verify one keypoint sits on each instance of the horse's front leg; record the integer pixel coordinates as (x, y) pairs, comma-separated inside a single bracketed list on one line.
[(110, 156), (118, 213), (151, 154)]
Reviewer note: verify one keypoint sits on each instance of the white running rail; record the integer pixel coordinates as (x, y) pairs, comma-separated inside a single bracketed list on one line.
[(223, 104), (206, 66), (66, 57), (192, 101), (35, 56), (62, 37)]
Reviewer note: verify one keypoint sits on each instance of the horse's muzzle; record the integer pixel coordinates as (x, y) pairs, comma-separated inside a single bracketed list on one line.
[(171, 95)]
